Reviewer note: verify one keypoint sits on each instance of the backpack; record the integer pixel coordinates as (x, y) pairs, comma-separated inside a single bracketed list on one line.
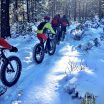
[(41, 25)]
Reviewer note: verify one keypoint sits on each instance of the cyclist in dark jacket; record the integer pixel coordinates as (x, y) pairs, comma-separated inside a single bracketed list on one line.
[(5, 44), (64, 23)]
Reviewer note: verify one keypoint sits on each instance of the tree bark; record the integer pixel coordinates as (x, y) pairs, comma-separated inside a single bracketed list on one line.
[(16, 13), (5, 26), (28, 16), (79, 10), (75, 10), (86, 14), (100, 9)]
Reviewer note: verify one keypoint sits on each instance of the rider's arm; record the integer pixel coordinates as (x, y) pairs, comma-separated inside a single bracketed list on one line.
[(5, 44), (48, 26)]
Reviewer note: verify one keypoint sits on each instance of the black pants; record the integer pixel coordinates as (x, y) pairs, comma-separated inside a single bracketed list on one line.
[(58, 35), (63, 28)]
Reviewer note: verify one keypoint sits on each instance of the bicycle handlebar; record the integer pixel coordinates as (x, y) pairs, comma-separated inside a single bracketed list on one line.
[(2, 49)]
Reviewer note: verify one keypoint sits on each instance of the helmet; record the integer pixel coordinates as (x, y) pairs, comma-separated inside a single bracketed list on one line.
[(47, 18), (64, 16)]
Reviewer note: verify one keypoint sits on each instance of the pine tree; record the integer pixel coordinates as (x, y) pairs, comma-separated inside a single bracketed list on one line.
[(5, 26)]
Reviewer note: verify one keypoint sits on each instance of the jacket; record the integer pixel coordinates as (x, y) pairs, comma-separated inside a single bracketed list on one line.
[(46, 26), (4, 43)]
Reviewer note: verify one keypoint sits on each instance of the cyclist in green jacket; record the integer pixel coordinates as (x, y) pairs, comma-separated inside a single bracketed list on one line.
[(43, 27)]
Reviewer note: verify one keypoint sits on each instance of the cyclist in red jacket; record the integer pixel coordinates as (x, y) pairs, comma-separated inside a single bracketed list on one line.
[(5, 44), (56, 23)]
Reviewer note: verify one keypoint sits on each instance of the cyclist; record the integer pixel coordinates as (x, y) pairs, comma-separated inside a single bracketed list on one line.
[(43, 27), (56, 23), (5, 44), (64, 23)]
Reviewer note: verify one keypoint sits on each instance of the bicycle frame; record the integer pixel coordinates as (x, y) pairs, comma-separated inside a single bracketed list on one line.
[(2, 55), (47, 41)]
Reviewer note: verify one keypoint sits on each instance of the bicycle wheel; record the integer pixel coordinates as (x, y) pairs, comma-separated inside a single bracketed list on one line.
[(52, 47), (38, 53), (11, 71)]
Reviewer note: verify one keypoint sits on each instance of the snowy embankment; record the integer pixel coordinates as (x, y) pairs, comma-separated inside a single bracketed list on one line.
[(46, 83), (90, 78)]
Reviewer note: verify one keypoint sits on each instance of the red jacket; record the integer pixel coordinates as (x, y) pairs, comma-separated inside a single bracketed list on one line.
[(56, 21), (64, 22), (4, 43)]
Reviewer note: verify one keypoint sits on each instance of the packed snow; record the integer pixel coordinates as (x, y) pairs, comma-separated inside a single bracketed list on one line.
[(70, 66)]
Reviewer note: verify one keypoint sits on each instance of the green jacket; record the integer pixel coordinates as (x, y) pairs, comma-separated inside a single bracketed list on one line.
[(47, 26)]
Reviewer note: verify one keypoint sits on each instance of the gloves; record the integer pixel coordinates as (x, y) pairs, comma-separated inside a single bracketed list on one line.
[(13, 49)]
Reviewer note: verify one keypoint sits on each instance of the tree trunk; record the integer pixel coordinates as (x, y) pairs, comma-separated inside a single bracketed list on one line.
[(35, 7), (5, 26), (28, 16), (54, 7), (79, 10), (83, 15), (16, 9), (32, 10), (100, 9), (86, 12), (75, 10)]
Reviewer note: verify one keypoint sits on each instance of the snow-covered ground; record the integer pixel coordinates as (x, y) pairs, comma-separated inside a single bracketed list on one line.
[(45, 83)]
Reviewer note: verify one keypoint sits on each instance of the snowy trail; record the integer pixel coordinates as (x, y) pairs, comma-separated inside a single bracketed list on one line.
[(44, 83), (40, 84)]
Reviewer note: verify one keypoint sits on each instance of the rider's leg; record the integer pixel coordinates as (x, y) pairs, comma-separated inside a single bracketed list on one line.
[(58, 34), (61, 32), (49, 44), (65, 29), (56, 31), (45, 40), (42, 38)]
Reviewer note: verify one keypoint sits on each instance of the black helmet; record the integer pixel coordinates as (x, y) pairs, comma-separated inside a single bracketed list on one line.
[(64, 16)]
